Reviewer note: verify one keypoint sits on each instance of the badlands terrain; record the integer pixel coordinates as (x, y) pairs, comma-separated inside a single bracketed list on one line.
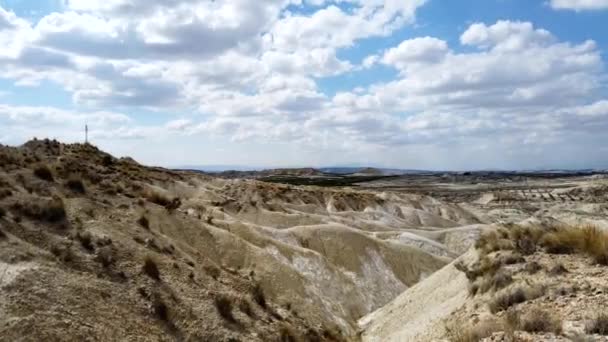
[(96, 248)]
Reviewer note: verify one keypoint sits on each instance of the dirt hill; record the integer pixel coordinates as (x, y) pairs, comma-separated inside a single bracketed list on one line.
[(86, 239)]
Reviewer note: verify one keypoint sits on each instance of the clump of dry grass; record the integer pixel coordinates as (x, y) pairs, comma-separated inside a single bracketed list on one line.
[(105, 256), (588, 240), (144, 222), (86, 240), (537, 321), (558, 269), (495, 282), (458, 332), (223, 304), (43, 172), (163, 200), (150, 268), (42, 210), (533, 267), (63, 253), (245, 308), (515, 295), (259, 297), (76, 185), (598, 325)]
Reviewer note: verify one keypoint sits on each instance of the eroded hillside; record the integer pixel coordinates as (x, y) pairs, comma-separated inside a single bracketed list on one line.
[(87, 239)]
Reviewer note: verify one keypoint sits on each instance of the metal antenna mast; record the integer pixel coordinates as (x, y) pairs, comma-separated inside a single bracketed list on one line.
[(86, 133)]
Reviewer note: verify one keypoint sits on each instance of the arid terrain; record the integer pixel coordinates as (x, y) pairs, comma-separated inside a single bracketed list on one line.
[(96, 248)]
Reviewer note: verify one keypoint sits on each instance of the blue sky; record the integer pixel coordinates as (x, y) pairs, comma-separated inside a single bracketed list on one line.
[(414, 84)]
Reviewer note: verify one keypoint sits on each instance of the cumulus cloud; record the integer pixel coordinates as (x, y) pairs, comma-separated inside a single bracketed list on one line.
[(251, 70), (580, 5)]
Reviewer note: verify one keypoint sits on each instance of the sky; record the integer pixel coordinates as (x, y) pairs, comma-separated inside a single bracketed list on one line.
[(417, 84)]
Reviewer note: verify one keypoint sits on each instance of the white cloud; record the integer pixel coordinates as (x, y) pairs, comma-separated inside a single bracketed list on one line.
[(250, 70), (580, 5)]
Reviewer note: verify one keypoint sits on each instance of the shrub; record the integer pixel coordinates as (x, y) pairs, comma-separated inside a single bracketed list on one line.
[(286, 333), (259, 297), (514, 295), (213, 271), (538, 321), (245, 308), (76, 185), (86, 240), (558, 269), (472, 333), (144, 222), (223, 305), (2, 212), (105, 256), (533, 267), (43, 210), (43, 172), (598, 325), (150, 268), (496, 282), (63, 253)]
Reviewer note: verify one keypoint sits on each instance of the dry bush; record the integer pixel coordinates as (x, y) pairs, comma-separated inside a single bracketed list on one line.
[(150, 268), (589, 240), (486, 267), (558, 269), (160, 309), (212, 271), (76, 185), (459, 332), (163, 200), (537, 321), (515, 295), (533, 267), (63, 253), (42, 210), (43, 172), (286, 333), (598, 325), (144, 222), (2, 212), (259, 297), (105, 256), (495, 282), (223, 304), (86, 240), (245, 308)]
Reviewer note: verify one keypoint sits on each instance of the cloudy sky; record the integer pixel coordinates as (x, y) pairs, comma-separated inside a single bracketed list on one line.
[(427, 84)]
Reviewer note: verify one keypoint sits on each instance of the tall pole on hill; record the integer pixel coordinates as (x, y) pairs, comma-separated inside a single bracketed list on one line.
[(86, 133)]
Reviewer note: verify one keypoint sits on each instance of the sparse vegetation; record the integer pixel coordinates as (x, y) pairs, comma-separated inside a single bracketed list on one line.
[(515, 295), (144, 222), (42, 210), (259, 297), (537, 321), (472, 333), (86, 240), (150, 268), (2, 212), (494, 282), (105, 256), (223, 304), (76, 185), (245, 307), (44, 172), (558, 269), (598, 325)]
